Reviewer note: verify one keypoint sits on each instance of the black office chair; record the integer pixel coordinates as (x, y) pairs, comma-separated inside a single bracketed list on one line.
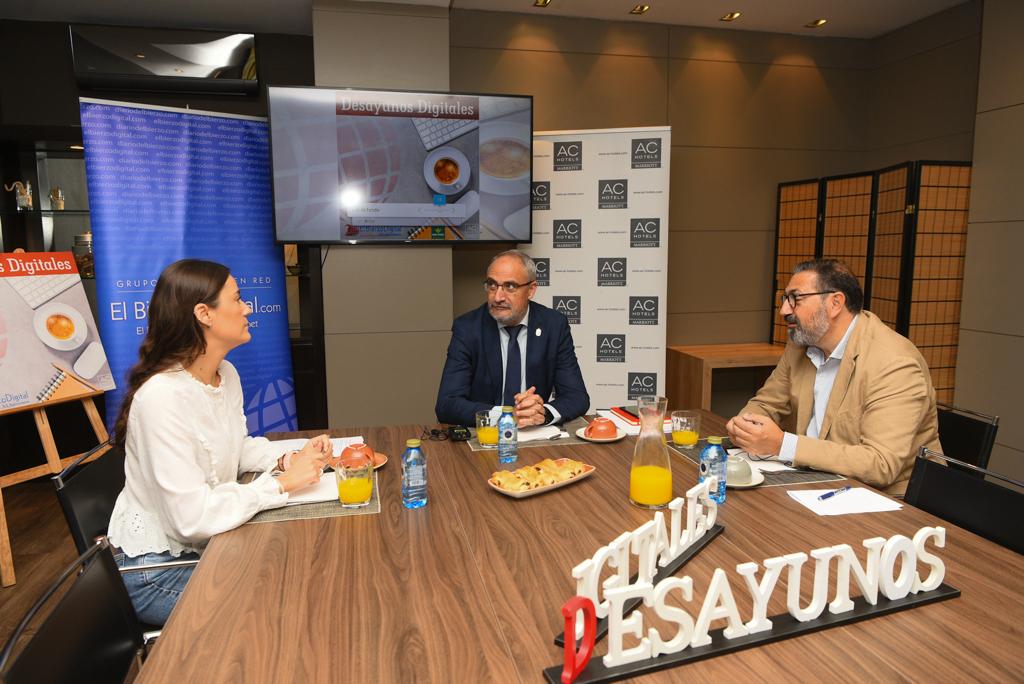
[(91, 635), (985, 508), (967, 435)]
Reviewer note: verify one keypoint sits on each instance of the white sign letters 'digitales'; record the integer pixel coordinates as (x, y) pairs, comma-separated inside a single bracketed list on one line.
[(656, 544)]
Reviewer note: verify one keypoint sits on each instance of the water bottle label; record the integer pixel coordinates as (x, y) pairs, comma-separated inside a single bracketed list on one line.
[(508, 434), (704, 468)]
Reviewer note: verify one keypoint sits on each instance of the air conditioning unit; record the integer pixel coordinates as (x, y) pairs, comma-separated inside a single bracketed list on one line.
[(164, 60)]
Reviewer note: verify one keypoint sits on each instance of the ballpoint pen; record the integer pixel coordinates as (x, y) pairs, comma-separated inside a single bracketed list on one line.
[(829, 495)]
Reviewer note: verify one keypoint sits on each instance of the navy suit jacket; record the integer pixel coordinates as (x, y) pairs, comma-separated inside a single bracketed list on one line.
[(472, 376)]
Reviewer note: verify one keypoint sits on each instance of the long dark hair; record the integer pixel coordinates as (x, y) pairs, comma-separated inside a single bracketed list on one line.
[(175, 335)]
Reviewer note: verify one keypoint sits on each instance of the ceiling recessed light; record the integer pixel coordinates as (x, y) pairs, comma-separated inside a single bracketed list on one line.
[(178, 71), (731, 16), (816, 23), (541, 3), (76, 147), (639, 9), (140, 55)]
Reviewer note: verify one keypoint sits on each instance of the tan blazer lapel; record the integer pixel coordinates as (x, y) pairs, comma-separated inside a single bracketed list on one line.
[(842, 383), (804, 385)]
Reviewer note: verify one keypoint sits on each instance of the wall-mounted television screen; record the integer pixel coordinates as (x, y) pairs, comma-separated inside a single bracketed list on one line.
[(374, 166)]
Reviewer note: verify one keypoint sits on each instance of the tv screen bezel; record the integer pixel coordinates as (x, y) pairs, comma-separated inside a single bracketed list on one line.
[(408, 241)]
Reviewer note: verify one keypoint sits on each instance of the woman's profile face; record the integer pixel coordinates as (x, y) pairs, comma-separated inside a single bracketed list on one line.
[(229, 325)]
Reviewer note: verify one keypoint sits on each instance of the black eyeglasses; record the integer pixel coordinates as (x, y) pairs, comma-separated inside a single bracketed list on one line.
[(434, 435), (794, 297), (509, 288)]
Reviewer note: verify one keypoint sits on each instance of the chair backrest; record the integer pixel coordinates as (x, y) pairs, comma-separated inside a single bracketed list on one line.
[(967, 435), (91, 634), (87, 493), (988, 509)]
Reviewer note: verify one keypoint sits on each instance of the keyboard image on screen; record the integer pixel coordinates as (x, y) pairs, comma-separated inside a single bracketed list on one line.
[(436, 132), (37, 290)]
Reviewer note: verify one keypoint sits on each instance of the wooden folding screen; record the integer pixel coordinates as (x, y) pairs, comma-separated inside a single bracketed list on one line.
[(796, 235)]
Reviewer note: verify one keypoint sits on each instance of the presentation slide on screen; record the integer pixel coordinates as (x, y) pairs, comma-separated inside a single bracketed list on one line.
[(384, 166)]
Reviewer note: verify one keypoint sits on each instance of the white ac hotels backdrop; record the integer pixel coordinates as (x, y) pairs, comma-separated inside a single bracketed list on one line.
[(600, 239)]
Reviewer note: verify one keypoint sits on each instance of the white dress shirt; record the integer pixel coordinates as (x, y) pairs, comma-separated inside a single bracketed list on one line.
[(824, 379), (523, 339), (187, 444)]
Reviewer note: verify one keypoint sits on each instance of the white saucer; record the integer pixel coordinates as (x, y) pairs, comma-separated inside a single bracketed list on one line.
[(465, 171), (506, 130), (47, 310), (756, 478), (582, 435)]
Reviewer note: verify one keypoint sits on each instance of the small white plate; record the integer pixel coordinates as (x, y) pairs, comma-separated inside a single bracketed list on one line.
[(59, 309), (756, 478), (465, 171), (581, 433)]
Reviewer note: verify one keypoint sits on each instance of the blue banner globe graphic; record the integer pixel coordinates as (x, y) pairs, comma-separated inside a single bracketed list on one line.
[(272, 409)]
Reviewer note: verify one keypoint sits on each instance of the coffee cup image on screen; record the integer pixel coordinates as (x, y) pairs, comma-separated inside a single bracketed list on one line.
[(405, 166)]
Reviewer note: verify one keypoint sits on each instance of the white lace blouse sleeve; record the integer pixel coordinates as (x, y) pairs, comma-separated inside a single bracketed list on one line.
[(259, 455), (194, 510)]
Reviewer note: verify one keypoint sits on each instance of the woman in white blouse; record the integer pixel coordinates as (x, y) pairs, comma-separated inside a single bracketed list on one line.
[(185, 438)]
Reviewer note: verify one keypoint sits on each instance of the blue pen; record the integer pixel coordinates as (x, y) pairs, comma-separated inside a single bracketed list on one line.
[(829, 495)]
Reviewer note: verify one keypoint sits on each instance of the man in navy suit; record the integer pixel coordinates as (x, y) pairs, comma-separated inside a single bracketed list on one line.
[(511, 352)]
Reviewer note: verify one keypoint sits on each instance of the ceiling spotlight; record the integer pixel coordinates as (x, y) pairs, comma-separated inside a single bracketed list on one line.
[(731, 16), (541, 3), (639, 9), (140, 55), (77, 148), (816, 23), (178, 70)]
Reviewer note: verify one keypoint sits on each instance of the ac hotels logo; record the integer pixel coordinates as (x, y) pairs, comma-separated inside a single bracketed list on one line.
[(611, 348), (643, 311), (641, 384), (611, 194), (646, 153), (568, 307), (540, 195), (568, 155), (645, 232), (567, 233), (543, 265), (611, 271)]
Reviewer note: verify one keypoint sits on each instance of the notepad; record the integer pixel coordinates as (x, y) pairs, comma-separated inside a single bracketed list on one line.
[(325, 490), (338, 444), (538, 432), (856, 500)]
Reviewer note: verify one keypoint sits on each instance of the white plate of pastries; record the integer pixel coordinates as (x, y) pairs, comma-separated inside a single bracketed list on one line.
[(540, 477)]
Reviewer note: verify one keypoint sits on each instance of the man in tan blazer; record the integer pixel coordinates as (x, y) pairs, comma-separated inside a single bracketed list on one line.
[(849, 396)]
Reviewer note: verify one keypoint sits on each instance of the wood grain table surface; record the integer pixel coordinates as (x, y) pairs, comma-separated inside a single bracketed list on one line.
[(469, 588)]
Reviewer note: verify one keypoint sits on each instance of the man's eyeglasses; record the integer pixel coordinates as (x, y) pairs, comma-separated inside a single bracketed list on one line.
[(794, 297), (434, 435), (509, 288)]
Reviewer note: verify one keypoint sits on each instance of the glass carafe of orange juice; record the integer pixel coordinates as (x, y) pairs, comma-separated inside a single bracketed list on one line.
[(650, 478)]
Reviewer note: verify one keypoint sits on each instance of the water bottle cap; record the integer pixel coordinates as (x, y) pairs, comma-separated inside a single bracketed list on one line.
[(506, 409), (412, 443), (714, 440)]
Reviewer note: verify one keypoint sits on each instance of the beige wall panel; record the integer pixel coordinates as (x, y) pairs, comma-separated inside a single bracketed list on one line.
[(384, 379), (939, 29), (956, 147), (356, 49), (570, 90), (1008, 462), (735, 188), (729, 104), (1002, 61), (989, 376), (725, 45), (387, 289), (997, 174), (925, 96), (469, 267), (990, 301), (718, 328), (715, 271), (502, 30)]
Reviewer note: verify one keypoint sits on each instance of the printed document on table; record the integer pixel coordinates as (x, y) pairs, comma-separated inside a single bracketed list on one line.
[(339, 444), (856, 500), (536, 432), (325, 490)]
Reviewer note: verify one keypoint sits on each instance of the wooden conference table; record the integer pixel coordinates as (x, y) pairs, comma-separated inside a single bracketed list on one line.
[(469, 589)]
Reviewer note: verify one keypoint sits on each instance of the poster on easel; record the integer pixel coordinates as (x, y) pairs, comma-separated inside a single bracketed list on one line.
[(50, 348)]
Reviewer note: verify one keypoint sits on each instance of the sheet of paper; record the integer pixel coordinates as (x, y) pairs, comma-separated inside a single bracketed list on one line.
[(325, 490), (339, 444), (770, 466), (531, 434), (626, 427), (856, 500)]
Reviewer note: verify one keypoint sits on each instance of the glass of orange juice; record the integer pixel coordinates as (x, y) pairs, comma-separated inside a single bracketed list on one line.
[(486, 429), (685, 428), (354, 474)]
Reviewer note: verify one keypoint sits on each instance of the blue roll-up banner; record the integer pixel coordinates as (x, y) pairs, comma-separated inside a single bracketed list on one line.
[(166, 184)]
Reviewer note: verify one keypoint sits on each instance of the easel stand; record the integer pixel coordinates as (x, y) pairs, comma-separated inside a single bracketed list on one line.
[(53, 466)]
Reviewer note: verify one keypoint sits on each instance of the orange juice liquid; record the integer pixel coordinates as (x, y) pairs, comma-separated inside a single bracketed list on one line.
[(487, 435), (684, 437), (355, 490), (650, 485)]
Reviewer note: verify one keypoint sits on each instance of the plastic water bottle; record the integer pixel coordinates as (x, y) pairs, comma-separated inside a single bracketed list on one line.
[(508, 437), (713, 462), (414, 475)]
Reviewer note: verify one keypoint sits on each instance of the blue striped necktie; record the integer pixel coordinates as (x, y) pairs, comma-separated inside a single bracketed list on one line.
[(513, 366)]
